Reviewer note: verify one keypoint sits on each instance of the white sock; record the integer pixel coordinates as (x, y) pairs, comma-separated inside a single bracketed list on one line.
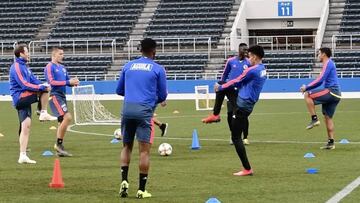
[(22, 153), (43, 111)]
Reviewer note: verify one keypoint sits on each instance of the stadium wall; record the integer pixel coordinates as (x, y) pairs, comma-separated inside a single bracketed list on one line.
[(187, 86)]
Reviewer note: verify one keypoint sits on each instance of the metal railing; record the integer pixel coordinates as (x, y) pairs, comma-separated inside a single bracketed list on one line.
[(208, 76), (345, 41), (74, 47), (7, 48), (273, 43), (174, 45)]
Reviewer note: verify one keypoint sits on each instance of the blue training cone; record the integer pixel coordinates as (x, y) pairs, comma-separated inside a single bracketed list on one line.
[(344, 141), (114, 141), (47, 153), (309, 155), (212, 200), (312, 170), (195, 140)]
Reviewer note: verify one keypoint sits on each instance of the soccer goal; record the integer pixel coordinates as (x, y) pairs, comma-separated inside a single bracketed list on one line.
[(88, 110), (202, 98)]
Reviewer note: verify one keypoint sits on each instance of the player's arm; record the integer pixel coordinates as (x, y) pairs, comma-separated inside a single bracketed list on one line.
[(49, 75), (120, 89), (244, 76), (320, 79), (226, 72), (27, 85), (161, 86)]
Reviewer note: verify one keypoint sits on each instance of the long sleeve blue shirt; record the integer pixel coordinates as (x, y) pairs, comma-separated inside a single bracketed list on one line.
[(22, 80), (234, 67), (328, 77), (142, 82), (57, 76)]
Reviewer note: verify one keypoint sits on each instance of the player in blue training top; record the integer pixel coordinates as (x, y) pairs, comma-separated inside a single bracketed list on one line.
[(26, 89), (250, 82), (57, 76), (329, 96), (233, 68), (143, 85)]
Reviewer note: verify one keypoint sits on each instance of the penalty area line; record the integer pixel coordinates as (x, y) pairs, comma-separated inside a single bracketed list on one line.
[(345, 191)]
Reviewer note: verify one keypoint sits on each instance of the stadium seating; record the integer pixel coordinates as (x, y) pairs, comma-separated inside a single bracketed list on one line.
[(348, 62), (20, 20), (109, 19), (190, 18), (350, 23)]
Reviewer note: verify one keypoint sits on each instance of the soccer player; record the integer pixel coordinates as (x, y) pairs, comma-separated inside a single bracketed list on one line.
[(251, 82), (329, 96), (143, 85), (233, 68), (57, 76), (162, 126), (26, 89)]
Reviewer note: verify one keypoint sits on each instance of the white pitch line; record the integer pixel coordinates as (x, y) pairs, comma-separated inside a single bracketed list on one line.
[(344, 192), (207, 139)]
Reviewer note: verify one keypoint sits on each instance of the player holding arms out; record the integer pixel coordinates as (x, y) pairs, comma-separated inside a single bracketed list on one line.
[(143, 85), (26, 89), (329, 96), (251, 82), (57, 76)]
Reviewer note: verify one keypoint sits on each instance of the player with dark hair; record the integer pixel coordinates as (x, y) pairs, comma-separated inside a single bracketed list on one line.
[(26, 89), (143, 85), (233, 68), (57, 76), (329, 96), (250, 82)]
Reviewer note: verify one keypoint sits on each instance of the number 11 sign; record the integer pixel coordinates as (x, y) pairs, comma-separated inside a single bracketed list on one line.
[(285, 8)]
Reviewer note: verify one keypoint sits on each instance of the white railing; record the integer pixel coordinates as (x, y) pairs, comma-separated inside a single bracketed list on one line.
[(273, 43), (74, 47), (7, 48), (209, 76), (345, 41), (174, 45)]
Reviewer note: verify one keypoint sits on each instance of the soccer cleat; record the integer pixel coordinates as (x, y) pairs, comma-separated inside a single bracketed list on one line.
[(163, 127), (328, 146), (246, 142), (60, 151), (211, 119), (47, 117), (312, 124), (244, 173), (142, 194), (26, 160), (38, 112), (123, 189)]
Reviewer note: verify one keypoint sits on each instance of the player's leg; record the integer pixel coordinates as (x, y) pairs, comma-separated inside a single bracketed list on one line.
[(230, 112), (237, 130), (43, 102), (219, 98), (59, 108), (25, 124), (128, 130), (328, 112), (314, 98), (162, 126), (145, 136)]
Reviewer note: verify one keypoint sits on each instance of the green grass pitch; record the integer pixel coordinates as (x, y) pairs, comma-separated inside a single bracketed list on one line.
[(278, 143)]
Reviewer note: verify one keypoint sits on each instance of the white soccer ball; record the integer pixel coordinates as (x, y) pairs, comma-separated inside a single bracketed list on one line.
[(165, 149), (117, 134)]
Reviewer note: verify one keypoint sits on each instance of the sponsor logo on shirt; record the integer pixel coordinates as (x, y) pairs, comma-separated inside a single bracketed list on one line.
[(141, 66)]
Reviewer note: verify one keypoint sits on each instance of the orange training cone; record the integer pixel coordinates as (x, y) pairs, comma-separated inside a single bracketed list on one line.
[(57, 181)]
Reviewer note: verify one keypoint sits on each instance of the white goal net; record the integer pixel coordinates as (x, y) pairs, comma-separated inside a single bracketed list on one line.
[(88, 110), (202, 98)]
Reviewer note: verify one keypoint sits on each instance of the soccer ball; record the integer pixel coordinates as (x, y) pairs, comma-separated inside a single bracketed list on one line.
[(117, 134), (165, 149)]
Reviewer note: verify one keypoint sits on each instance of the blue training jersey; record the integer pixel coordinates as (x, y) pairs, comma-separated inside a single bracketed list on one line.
[(251, 82), (234, 67), (143, 85), (328, 76), (57, 76), (22, 80)]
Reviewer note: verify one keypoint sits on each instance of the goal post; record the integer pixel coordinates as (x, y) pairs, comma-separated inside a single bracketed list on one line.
[(88, 110), (202, 98)]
